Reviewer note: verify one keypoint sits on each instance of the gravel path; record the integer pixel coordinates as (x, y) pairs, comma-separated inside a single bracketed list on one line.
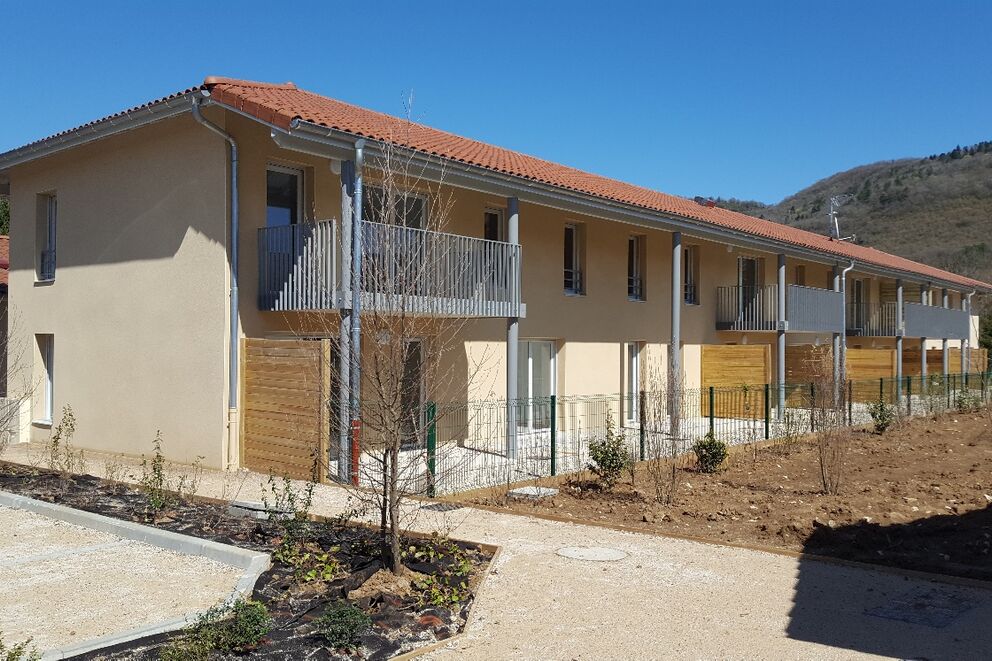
[(671, 598), (62, 584)]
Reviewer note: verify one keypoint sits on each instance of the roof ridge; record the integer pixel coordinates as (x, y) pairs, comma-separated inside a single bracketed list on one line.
[(210, 81)]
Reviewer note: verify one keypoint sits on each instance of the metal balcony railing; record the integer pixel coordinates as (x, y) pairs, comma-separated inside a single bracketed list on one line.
[(46, 267), (573, 281), (635, 288), (404, 269), (931, 321), (867, 320), (746, 308)]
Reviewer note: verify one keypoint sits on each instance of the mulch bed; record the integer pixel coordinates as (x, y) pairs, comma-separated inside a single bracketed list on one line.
[(917, 497), (400, 623)]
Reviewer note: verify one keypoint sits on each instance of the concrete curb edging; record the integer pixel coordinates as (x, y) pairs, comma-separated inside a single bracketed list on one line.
[(252, 563)]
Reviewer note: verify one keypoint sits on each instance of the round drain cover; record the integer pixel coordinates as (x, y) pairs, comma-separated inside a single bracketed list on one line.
[(592, 553)]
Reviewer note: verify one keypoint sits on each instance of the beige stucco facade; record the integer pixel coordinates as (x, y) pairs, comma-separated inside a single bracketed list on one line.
[(138, 307)]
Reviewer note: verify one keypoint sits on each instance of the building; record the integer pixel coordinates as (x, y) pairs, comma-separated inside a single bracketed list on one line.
[(581, 284)]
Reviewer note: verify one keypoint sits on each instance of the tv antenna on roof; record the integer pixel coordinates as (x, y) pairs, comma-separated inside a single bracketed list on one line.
[(836, 201)]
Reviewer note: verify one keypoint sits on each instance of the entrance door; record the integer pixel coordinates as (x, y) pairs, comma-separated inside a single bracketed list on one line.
[(283, 206), (859, 315), (412, 391)]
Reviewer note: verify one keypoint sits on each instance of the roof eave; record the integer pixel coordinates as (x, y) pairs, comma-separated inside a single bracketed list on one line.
[(125, 121), (579, 202)]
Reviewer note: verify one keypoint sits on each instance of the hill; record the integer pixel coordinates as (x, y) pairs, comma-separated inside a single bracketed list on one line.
[(936, 210)]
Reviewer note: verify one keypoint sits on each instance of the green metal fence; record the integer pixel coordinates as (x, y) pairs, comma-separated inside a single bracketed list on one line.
[(471, 445)]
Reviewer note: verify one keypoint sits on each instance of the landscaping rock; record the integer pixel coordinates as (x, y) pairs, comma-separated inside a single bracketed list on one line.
[(532, 493)]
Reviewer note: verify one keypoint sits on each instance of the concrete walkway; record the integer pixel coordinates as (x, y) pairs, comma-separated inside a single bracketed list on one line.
[(671, 598)]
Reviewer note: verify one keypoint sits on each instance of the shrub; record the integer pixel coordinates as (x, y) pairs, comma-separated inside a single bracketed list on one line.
[(162, 492), (233, 628), (966, 401), (449, 587), (61, 457), (609, 455), (19, 651), (342, 624), (710, 453), (882, 414)]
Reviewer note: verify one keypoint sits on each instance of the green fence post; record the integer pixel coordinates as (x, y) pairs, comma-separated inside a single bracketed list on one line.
[(554, 435), (812, 407), (641, 415), (881, 389), (431, 447), (712, 415), (909, 395), (768, 413)]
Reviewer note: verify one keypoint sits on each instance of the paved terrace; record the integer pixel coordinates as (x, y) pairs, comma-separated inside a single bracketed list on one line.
[(671, 598)]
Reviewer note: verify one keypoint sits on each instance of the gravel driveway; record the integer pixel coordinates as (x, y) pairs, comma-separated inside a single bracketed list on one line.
[(62, 584), (670, 598)]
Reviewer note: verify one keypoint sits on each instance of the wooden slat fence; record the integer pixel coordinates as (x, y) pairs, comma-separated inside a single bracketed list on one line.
[(732, 366)]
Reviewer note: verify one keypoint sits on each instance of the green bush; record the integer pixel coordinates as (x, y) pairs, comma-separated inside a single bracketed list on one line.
[(236, 627), (882, 414), (710, 453), (342, 624), (609, 455), (19, 652), (966, 401)]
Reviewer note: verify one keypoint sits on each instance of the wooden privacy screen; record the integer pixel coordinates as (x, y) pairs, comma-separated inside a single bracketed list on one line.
[(732, 366), (284, 423), (865, 367), (805, 364), (935, 365)]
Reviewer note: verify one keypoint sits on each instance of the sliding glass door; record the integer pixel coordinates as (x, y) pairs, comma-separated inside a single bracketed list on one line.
[(535, 383)]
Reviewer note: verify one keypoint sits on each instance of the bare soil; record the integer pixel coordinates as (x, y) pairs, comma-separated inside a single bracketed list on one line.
[(917, 497)]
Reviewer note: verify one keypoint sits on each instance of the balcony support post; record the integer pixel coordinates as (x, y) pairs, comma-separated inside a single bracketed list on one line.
[(344, 331), (924, 297), (900, 325), (965, 304), (835, 347), (945, 301), (355, 373), (780, 338), (512, 336), (675, 346)]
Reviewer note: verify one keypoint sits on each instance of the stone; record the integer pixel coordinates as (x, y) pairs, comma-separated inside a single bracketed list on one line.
[(592, 553), (532, 493)]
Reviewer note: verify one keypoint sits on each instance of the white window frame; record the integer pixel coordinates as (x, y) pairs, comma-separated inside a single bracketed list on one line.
[(529, 395), (635, 242), (300, 186), (46, 347), (632, 382), (577, 266), (500, 223), (51, 228)]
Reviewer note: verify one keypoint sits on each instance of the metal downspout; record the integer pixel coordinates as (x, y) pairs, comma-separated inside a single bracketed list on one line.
[(843, 318), (966, 342), (232, 392)]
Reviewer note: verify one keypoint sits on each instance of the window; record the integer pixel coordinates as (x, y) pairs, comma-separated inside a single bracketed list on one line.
[(690, 275), (406, 209), (412, 390), (46, 354), (535, 383), (801, 275), (283, 196), (494, 227), (635, 267), (574, 283), (47, 212), (632, 381)]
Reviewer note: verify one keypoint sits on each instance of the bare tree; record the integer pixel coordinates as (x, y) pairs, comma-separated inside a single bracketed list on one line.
[(418, 284), (663, 413), (20, 384)]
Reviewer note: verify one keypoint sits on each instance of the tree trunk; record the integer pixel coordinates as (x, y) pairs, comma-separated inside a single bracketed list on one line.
[(394, 509)]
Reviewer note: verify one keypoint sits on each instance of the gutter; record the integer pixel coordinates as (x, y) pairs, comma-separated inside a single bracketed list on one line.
[(232, 393), (843, 317)]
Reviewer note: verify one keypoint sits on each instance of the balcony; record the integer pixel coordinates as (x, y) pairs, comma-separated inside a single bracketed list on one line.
[(404, 270), (747, 308), (931, 321), (807, 309), (866, 320)]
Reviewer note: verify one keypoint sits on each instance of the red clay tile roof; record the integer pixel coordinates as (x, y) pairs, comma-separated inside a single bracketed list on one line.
[(281, 104)]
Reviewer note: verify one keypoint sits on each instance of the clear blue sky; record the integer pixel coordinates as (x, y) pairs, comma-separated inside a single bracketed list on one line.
[(744, 98)]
